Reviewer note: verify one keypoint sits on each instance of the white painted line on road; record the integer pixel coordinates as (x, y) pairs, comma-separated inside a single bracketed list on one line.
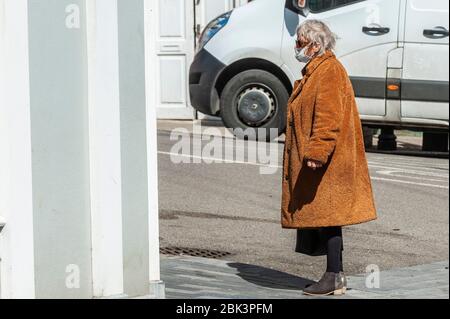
[(218, 160), (403, 166), (409, 160), (407, 182), (408, 171), (395, 174)]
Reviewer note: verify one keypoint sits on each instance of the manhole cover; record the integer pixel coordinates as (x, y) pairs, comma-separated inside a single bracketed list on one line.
[(195, 252)]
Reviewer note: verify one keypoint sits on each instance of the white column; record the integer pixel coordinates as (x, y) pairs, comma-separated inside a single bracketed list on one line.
[(78, 174), (16, 201), (133, 135), (104, 148), (156, 285), (60, 148)]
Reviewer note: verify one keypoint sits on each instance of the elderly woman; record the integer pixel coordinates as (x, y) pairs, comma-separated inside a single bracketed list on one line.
[(326, 183)]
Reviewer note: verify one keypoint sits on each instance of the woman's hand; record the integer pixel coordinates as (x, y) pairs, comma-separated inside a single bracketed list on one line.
[(314, 164)]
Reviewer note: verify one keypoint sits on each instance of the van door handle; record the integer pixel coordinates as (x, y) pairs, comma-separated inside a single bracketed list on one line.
[(436, 33), (376, 31)]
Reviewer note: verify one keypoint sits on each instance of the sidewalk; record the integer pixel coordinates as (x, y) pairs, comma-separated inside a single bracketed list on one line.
[(201, 278)]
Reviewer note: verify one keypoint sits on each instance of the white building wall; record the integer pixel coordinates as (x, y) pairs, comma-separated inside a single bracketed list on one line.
[(75, 151), (174, 28)]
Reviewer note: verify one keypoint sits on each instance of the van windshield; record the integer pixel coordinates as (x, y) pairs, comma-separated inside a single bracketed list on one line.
[(323, 5), (320, 5)]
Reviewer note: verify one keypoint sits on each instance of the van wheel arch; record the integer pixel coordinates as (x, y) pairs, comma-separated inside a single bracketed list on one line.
[(251, 64)]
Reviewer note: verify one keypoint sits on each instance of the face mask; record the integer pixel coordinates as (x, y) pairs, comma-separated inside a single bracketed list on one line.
[(300, 55)]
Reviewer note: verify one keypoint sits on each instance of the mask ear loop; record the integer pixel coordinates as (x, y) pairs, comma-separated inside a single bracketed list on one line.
[(306, 11)]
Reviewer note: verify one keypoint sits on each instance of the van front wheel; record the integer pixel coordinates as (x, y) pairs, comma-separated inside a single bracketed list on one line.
[(254, 102)]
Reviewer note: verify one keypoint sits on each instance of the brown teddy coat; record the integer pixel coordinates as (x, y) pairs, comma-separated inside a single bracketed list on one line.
[(323, 124)]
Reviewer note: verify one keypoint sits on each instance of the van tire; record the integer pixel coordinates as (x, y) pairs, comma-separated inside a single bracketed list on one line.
[(262, 85)]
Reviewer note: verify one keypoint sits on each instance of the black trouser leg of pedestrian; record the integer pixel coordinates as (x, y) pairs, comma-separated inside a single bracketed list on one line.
[(334, 246), (333, 280)]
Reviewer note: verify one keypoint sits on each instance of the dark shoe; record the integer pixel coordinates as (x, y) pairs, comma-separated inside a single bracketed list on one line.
[(330, 284)]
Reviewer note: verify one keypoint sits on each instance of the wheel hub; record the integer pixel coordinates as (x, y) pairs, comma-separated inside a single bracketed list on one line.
[(255, 106)]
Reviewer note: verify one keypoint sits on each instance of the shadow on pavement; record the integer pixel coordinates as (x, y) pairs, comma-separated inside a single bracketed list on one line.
[(270, 278)]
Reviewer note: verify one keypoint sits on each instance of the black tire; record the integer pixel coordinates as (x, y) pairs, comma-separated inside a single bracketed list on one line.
[(268, 111)]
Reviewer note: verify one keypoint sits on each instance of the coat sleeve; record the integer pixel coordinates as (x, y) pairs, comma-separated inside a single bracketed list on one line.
[(328, 115)]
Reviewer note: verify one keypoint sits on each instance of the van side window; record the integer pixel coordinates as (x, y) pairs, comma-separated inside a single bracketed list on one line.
[(325, 5)]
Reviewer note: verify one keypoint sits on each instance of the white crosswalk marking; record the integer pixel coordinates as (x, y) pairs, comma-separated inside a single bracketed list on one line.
[(395, 169)]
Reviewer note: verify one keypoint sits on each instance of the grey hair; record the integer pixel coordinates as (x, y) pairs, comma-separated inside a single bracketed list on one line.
[(319, 33)]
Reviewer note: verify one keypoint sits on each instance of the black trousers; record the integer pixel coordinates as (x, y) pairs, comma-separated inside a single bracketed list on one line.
[(322, 241), (334, 249)]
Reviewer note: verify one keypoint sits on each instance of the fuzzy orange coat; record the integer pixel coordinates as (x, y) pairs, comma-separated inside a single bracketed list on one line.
[(324, 125)]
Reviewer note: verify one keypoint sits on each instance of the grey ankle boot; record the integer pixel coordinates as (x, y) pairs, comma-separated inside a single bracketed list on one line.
[(330, 284)]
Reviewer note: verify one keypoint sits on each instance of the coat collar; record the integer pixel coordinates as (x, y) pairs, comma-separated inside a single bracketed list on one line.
[(315, 62), (308, 70)]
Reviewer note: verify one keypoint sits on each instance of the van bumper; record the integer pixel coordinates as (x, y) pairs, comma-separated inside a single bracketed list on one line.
[(203, 75)]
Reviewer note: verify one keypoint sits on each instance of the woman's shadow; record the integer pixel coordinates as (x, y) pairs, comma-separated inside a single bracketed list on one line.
[(270, 278)]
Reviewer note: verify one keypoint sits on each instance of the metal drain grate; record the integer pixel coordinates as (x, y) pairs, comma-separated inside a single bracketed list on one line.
[(195, 252)]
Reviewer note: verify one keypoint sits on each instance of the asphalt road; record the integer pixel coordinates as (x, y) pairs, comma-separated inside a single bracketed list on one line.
[(231, 207)]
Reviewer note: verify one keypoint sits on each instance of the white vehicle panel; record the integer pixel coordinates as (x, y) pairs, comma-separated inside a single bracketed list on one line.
[(426, 59), (364, 55), (253, 31), (433, 110)]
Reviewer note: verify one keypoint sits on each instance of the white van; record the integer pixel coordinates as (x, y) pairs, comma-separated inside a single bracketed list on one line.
[(395, 51)]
